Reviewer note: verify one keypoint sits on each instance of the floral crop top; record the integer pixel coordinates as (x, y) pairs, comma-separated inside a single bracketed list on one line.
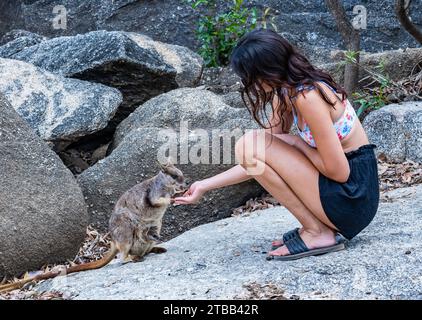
[(343, 125)]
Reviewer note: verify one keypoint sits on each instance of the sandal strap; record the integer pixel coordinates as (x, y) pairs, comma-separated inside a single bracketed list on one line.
[(339, 238), (290, 234), (296, 245)]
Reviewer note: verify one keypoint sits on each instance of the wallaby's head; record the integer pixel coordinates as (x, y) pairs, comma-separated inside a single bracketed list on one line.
[(172, 177)]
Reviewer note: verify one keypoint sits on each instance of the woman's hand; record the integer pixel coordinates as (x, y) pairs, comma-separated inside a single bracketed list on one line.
[(229, 177), (193, 194)]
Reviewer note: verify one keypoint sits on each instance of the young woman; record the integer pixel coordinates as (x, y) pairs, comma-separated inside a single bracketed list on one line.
[(327, 176)]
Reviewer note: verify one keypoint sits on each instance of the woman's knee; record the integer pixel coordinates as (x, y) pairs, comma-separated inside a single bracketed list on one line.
[(250, 147), (240, 146)]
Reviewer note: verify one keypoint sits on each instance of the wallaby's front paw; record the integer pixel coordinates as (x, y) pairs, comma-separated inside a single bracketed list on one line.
[(138, 259)]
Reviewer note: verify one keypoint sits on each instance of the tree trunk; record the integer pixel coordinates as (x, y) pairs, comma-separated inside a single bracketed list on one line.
[(407, 24), (351, 37)]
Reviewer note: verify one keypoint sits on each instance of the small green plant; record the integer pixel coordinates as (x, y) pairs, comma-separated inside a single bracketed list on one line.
[(374, 95), (218, 32), (370, 101), (350, 57)]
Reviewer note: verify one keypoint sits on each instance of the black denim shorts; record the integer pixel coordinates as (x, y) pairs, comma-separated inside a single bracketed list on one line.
[(352, 205)]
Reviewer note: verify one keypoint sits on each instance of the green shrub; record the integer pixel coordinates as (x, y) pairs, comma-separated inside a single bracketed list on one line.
[(218, 32)]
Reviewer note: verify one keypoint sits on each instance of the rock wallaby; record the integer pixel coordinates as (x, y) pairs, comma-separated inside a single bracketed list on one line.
[(134, 225)]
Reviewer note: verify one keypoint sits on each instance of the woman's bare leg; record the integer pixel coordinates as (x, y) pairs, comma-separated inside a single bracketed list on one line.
[(293, 180)]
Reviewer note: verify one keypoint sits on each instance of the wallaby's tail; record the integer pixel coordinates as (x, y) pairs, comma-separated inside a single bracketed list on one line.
[(52, 274), (95, 264)]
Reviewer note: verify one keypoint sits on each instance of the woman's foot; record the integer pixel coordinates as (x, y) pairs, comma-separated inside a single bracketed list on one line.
[(312, 240), (279, 243)]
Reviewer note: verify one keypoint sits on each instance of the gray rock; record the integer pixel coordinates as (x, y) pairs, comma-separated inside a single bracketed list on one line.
[(233, 99), (10, 16), (43, 216), (398, 64), (219, 77), (139, 67), (19, 33), (201, 108), (188, 64), (396, 130), (413, 127), (143, 138), (216, 261), (57, 108), (17, 40), (173, 21)]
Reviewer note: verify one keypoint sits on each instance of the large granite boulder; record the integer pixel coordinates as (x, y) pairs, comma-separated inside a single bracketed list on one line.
[(226, 260), (43, 215), (17, 40), (174, 21), (193, 126), (397, 131), (201, 108), (59, 109), (140, 67)]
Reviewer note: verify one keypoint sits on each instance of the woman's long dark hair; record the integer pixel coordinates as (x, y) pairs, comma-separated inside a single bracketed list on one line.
[(264, 55)]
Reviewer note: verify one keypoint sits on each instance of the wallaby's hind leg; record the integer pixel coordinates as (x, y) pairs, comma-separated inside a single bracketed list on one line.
[(158, 250)]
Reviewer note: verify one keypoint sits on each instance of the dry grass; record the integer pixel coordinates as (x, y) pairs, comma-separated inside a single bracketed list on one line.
[(399, 175), (407, 89), (257, 291), (94, 247)]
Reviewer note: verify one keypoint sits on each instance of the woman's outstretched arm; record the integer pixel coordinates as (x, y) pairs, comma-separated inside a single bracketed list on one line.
[(234, 175)]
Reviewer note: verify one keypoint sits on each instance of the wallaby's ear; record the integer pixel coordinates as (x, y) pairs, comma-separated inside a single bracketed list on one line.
[(167, 165)]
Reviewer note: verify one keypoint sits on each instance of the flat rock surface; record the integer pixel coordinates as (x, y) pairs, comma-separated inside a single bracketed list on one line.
[(217, 260)]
